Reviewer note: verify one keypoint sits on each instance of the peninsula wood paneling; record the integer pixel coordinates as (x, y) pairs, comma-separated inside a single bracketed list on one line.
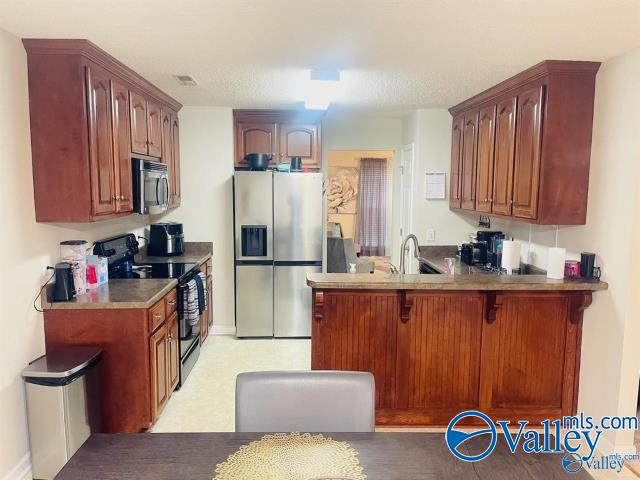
[(513, 355), (359, 333)]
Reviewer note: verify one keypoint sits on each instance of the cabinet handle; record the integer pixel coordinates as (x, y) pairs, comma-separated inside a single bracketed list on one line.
[(115, 197), (172, 302), (157, 315), (510, 202)]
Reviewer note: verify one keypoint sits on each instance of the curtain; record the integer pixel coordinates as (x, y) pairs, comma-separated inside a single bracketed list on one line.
[(372, 207)]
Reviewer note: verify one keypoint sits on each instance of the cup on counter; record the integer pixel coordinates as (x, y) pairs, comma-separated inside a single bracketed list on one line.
[(449, 266), (572, 269)]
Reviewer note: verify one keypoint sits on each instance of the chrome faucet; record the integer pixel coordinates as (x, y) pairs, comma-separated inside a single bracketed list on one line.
[(405, 248)]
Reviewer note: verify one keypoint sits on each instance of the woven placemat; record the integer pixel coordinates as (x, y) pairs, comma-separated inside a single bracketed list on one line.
[(291, 456)]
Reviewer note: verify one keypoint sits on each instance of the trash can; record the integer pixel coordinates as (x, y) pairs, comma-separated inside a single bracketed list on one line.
[(63, 406)]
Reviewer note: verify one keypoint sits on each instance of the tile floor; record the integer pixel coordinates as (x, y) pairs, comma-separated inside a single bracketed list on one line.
[(206, 402)]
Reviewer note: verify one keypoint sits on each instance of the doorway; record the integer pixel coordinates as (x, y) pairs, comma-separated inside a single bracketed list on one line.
[(359, 210)]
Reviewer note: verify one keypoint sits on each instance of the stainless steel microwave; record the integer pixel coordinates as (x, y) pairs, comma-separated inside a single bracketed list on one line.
[(150, 186)]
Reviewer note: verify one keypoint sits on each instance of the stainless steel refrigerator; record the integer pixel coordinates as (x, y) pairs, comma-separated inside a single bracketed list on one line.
[(278, 241)]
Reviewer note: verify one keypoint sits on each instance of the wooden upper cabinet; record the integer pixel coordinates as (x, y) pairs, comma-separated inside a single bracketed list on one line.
[(299, 141), (469, 160), (484, 170), (139, 124), (88, 114), (167, 147), (101, 162), (536, 168), (526, 171), (255, 138), (154, 129), (121, 146), (280, 133), (175, 178), (505, 146), (456, 162)]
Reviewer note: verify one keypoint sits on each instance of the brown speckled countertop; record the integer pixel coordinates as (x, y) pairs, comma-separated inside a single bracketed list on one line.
[(119, 293), (441, 282), (194, 252)]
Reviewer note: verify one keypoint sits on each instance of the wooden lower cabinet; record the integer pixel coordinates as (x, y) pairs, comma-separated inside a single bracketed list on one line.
[(512, 355), (140, 363)]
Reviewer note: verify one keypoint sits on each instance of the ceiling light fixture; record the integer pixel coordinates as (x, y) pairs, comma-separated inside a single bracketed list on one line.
[(323, 88), (186, 80)]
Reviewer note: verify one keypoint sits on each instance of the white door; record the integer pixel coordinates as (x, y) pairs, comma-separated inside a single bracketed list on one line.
[(406, 212)]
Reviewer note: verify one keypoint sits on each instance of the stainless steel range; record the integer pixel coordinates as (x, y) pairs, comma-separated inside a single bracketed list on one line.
[(120, 252)]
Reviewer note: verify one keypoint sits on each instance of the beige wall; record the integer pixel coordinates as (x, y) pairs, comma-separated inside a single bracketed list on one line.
[(26, 248), (351, 158), (206, 167)]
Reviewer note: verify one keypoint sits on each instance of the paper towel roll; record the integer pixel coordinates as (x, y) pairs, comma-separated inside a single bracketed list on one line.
[(555, 263), (510, 255)]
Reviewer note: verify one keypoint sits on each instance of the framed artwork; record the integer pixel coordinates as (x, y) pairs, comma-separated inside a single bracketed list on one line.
[(342, 190)]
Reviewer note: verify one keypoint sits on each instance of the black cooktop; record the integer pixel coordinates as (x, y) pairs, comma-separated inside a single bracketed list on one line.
[(152, 270)]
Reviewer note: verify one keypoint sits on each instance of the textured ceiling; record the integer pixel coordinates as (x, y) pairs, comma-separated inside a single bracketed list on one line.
[(395, 55)]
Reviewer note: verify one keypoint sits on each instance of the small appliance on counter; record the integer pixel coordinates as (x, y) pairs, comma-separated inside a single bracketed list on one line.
[(474, 253), (588, 269), (493, 239), (165, 239), (296, 164), (258, 161), (63, 289), (75, 253)]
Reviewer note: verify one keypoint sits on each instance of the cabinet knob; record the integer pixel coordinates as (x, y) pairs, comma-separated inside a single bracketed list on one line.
[(157, 315), (510, 202), (172, 302), (115, 197)]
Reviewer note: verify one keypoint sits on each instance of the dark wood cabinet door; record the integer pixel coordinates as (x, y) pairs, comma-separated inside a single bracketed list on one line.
[(358, 332), (528, 358), (469, 160), (175, 144), (255, 138), (455, 178), (210, 301), (139, 134), (504, 156), (159, 371), (299, 141), (103, 196), (167, 148), (122, 147), (154, 129), (439, 351), (173, 342), (526, 173), (484, 170)]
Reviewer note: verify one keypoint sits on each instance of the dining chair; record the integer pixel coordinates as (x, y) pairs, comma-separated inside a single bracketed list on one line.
[(305, 401)]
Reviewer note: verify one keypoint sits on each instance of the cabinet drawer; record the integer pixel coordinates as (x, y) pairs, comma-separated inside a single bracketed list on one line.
[(171, 302), (156, 315)]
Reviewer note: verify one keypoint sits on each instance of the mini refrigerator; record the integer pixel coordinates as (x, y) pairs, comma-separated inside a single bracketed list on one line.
[(278, 241)]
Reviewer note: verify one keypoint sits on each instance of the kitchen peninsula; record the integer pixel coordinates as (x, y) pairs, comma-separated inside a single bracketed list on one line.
[(508, 346)]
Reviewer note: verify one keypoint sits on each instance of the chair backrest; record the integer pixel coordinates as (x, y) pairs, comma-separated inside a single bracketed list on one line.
[(305, 401)]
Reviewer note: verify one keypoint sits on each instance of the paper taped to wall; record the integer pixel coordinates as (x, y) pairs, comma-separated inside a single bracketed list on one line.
[(434, 185)]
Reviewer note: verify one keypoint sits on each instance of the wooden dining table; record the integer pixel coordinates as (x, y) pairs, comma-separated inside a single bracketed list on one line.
[(383, 455)]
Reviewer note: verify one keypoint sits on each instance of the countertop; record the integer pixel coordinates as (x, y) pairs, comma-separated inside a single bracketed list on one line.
[(119, 293), (380, 281), (132, 292), (194, 252)]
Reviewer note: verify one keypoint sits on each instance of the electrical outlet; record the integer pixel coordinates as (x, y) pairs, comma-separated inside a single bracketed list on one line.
[(431, 235)]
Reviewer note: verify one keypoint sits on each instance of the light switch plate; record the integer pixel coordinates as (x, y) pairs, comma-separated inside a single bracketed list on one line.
[(431, 235)]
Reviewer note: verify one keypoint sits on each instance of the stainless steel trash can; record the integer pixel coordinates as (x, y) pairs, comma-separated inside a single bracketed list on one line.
[(63, 406)]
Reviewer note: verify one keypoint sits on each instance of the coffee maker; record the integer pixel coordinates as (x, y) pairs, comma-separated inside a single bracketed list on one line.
[(493, 240)]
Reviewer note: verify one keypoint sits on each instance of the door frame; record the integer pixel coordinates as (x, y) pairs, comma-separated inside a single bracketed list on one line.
[(406, 174)]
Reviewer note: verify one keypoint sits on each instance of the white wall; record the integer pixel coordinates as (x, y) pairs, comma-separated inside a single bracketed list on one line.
[(26, 248), (611, 332), (344, 132), (206, 167), (430, 132)]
